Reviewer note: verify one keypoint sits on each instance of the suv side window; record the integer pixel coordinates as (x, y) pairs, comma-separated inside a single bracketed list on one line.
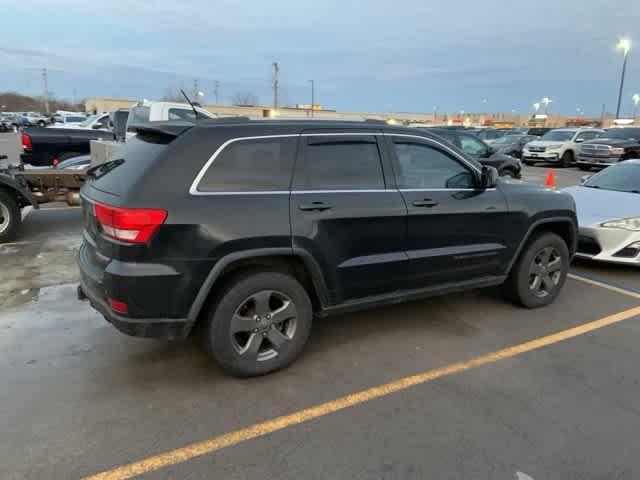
[(422, 166), (472, 145), (252, 166), (340, 163)]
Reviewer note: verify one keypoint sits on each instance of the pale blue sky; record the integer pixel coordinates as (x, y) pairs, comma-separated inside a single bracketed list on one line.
[(371, 55)]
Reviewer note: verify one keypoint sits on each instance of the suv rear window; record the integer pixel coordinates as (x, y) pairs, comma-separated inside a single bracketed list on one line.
[(252, 166), (139, 154), (341, 162)]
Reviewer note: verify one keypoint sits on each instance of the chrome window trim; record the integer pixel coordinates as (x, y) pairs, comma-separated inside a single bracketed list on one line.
[(193, 189), (446, 189), (431, 140)]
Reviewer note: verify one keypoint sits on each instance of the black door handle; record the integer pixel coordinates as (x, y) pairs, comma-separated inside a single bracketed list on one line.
[(427, 202), (314, 206)]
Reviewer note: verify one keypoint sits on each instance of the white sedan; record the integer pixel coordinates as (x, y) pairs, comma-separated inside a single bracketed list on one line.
[(608, 206)]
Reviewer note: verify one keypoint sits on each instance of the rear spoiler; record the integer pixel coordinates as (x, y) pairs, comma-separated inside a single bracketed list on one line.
[(168, 128)]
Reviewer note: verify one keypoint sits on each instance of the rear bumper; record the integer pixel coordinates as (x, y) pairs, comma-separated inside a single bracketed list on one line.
[(93, 285)]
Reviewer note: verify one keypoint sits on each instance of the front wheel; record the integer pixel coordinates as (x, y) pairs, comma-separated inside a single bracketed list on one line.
[(259, 323), (10, 218), (567, 159), (41, 123), (540, 272)]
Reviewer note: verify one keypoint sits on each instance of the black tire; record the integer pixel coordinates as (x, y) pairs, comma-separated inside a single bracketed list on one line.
[(41, 123), (509, 173), (586, 168), (567, 159), (10, 217), (527, 162), (520, 286), (227, 348)]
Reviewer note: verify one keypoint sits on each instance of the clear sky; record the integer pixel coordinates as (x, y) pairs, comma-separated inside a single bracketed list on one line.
[(403, 55)]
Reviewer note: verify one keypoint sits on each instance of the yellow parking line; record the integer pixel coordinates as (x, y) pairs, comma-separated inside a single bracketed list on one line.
[(198, 449), (612, 288)]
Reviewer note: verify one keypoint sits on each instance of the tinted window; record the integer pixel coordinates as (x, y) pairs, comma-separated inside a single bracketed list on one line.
[(587, 135), (252, 165), (340, 163), (472, 145), (422, 166), (628, 133)]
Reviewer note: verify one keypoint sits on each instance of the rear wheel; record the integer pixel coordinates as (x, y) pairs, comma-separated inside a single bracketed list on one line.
[(509, 173), (540, 272), (259, 323), (567, 159), (10, 218)]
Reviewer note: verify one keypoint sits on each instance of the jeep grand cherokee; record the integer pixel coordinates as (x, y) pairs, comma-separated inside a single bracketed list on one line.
[(250, 229)]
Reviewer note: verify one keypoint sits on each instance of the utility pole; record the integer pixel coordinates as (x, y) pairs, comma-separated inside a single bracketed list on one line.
[(276, 85), (216, 89), (313, 95), (195, 91), (46, 90)]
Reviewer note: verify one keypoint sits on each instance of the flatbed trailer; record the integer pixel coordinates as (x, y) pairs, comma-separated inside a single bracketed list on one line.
[(20, 188)]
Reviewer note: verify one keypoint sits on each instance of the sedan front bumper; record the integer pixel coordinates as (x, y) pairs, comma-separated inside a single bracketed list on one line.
[(540, 156), (609, 245)]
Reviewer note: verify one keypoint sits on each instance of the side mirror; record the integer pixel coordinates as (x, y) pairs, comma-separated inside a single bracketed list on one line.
[(579, 140), (96, 126), (488, 177), (584, 178)]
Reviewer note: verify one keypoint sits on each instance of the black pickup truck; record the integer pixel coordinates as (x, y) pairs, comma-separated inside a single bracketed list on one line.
[(613, 146), (46, 147)]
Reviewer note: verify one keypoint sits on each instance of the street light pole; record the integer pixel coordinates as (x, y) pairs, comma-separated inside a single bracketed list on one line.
[(313, 95), (635, 99), (625, 45)]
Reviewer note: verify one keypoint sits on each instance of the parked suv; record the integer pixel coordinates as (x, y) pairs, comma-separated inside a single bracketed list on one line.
[(558, 146), (247, 231)]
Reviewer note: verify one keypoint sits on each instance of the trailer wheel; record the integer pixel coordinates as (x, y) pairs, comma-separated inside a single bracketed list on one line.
[(10, 218)]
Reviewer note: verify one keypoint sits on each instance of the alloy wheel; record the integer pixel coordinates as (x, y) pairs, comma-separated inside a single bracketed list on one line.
[(545, 272), (4, 217), (263, 325)]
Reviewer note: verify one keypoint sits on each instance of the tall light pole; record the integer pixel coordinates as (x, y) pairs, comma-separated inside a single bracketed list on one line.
[(313, 95), (276, 86), (536, 107), (546, 101), (635, 99), (624, 44)]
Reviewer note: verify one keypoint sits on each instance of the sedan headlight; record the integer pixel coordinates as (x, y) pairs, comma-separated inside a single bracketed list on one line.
[(617, 151), (632, 224)]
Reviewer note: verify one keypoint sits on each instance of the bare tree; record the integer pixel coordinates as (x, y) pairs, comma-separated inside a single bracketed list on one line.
[(244, 98)]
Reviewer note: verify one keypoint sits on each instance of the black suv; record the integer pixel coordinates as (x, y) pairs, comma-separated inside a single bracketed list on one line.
[(248, 230)]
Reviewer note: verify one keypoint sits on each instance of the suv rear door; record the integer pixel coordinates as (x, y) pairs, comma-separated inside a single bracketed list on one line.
[(456, 232), (346, 216)]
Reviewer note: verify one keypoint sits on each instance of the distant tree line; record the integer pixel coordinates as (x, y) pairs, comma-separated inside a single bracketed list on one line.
[(15, 102)]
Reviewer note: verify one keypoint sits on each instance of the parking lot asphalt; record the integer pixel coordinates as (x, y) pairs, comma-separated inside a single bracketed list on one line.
[(79, 398)]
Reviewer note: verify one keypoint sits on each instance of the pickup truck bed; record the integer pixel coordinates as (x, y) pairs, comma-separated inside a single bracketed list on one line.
[(45, 147)]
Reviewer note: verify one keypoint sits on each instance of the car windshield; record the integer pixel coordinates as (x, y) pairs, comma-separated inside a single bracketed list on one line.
[(558, 135), (623, 177), (88, 121), (69, 119), (626, 133)]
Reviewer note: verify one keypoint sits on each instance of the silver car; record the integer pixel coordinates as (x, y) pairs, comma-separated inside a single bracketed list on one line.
[(608, 206)]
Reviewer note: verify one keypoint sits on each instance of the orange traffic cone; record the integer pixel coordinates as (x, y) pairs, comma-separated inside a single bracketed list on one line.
[(551, 179)]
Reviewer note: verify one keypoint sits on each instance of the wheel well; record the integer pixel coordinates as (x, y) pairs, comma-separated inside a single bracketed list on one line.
[(288, 264), (570, 152), (560, 228)]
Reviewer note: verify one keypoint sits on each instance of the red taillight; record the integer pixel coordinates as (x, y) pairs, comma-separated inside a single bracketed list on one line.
[(55, 162), (118, 306), (131, 225), (26, 141)]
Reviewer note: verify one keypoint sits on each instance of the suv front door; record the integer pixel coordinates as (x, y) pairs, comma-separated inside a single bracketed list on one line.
[(456, 231), (346, 217)]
